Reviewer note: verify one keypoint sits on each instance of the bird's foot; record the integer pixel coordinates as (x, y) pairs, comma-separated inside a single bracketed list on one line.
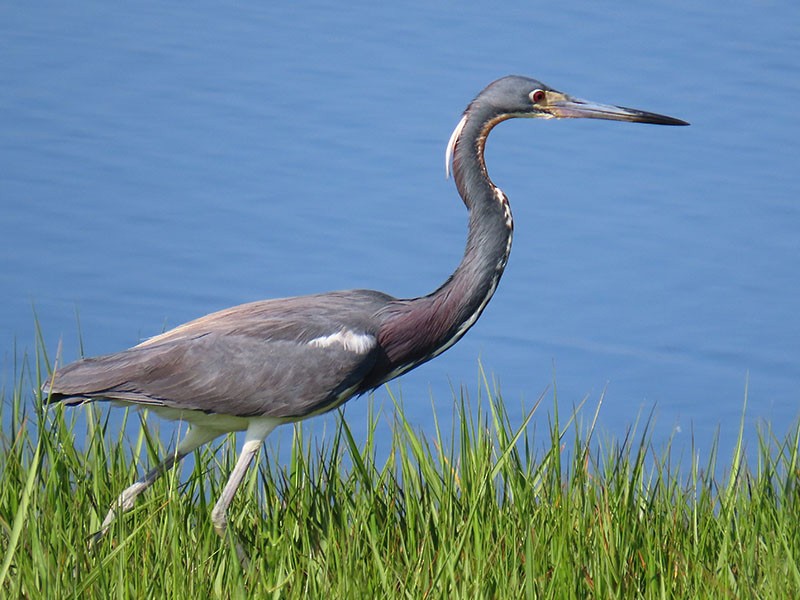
[(123, 504), (220, 521)]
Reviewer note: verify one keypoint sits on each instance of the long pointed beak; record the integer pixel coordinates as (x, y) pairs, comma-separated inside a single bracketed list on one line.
[(567, 107)]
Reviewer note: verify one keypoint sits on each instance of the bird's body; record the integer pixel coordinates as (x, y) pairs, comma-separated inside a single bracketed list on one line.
[(262, 348), (254, 359), (255, 366)]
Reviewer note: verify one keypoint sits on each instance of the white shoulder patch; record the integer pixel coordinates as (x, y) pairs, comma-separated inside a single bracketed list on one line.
[(360, 343)]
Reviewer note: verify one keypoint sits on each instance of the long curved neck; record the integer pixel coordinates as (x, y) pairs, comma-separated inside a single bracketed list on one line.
[(491, 228), (419, 329)]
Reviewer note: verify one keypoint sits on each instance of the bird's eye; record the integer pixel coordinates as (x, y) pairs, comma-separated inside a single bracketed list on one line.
[(537, 96)]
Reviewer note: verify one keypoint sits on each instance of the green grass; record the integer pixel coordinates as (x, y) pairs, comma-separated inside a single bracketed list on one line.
[(484, 510)]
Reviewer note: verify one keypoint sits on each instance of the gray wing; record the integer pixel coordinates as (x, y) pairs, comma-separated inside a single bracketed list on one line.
[(283, 358)]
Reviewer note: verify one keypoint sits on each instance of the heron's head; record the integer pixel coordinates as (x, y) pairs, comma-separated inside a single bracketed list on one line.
[(517, 96)]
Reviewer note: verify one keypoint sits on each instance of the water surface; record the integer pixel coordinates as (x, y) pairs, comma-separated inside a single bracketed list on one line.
[(162, 162)]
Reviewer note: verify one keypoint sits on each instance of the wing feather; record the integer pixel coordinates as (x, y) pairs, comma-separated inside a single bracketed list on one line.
[(263, 358)]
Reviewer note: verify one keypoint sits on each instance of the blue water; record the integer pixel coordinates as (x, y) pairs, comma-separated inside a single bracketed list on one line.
[(161, 162)]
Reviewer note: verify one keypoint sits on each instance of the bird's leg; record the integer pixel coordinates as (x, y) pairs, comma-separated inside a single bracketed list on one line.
[(194, 438), (257, 431)]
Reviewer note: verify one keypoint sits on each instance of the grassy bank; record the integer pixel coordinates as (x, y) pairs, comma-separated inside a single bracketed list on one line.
[(485, 510)]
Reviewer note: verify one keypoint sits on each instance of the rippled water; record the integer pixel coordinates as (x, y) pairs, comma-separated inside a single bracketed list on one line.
[(162, 162)]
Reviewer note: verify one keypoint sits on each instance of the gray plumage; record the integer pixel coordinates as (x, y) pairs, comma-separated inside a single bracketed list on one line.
[(255, 366), (249, 360)]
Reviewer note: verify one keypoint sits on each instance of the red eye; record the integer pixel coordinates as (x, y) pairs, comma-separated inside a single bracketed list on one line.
[(537, 95)]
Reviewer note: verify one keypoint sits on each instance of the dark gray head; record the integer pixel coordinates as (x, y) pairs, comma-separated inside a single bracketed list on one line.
[(510, 96), (517, 96)]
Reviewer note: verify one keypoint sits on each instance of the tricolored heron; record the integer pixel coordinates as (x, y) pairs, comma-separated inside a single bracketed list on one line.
[(256, 366)]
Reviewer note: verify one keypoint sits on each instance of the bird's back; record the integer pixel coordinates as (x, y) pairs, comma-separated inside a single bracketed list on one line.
[(284, 358)]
